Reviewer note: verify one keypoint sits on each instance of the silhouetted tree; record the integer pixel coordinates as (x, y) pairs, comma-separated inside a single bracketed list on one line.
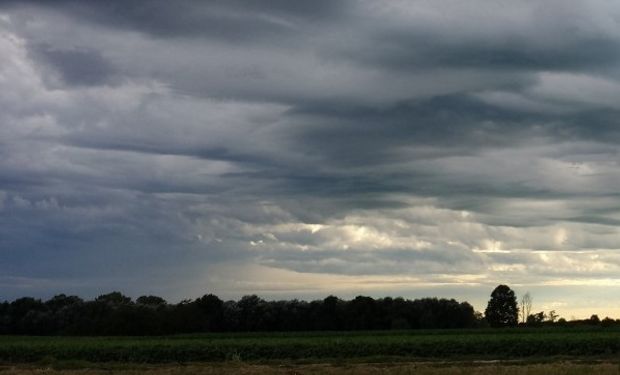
[(151, 301), (212, 309), (526, 306), (536, 319), (114, 298), (115, 314), (607, 322), (62, 301), (328, 313), (502, 310), (360, 313)]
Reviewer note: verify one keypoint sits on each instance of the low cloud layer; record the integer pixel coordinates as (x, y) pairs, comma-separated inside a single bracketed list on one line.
[(300, 149)]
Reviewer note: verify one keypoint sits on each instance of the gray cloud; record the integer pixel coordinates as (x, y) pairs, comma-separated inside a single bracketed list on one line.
[(351, 146), (218, 20), (80, 66)]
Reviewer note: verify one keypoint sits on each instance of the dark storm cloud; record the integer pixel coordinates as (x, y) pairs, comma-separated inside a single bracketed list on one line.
[(79, 66), (416, 49), (231, 21), (214, 153), (445, 122), (157, 139), (600, 124)]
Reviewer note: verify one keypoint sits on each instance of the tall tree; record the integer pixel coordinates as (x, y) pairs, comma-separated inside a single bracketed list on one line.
[(526, 306), (502, 309)]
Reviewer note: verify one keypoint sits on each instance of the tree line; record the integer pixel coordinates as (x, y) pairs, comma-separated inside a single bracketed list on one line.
[(117, 314), (504, 311)]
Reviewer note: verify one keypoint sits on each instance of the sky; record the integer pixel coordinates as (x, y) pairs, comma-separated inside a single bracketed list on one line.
[(301, 149)]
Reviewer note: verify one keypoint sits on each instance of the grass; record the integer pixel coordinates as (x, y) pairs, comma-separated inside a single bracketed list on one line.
[(564, 368), (312, 347)]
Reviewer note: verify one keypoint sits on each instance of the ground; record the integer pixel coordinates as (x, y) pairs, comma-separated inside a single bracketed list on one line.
[(418, 368)]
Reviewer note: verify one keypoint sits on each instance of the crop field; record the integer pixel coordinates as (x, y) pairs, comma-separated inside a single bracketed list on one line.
[(319, 347), (556, 368)]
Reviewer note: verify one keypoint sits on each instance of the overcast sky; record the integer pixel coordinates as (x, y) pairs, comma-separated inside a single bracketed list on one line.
[(296, 149)]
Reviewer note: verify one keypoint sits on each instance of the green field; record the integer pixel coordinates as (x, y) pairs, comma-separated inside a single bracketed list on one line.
[(318, 347), (399, 368)]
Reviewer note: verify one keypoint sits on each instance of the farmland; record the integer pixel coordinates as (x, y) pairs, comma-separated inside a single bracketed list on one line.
[(315, 347), (400, 368)]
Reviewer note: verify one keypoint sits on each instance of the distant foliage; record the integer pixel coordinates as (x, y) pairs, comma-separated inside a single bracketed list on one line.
[(502, 309), (116, 314)]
